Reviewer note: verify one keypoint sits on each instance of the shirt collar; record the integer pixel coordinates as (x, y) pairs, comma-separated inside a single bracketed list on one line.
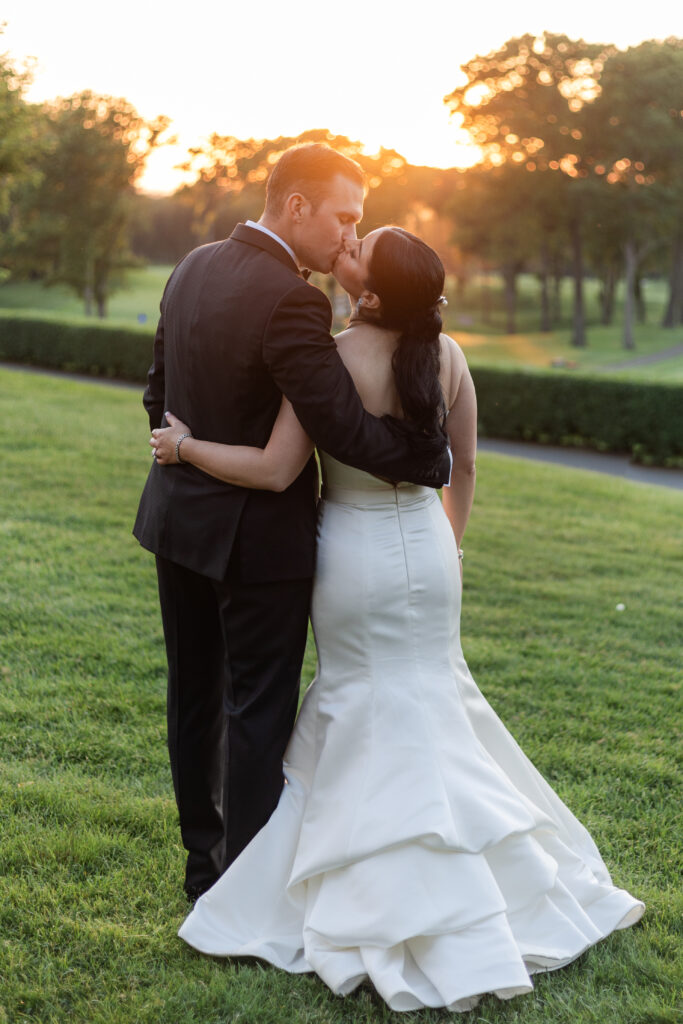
[(267, 231)]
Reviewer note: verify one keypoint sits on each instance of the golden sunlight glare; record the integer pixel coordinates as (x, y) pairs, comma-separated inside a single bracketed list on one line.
[(261, 71)]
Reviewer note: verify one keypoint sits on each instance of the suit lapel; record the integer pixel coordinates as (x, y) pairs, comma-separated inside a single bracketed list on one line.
[(259, 239)]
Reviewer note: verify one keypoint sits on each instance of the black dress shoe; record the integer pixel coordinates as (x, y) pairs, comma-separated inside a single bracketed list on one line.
[(193, 892)]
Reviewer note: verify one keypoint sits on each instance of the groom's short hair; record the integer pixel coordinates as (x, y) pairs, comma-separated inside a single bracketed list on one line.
[(309, 170)]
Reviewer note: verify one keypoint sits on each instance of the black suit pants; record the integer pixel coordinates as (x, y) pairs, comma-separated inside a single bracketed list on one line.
[(234, 661)]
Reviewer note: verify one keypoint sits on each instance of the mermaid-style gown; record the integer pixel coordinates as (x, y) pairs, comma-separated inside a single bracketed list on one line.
[(414, 843)]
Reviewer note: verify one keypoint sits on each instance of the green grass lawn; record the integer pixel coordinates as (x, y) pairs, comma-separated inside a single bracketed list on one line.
[(488, 344), (141, 295), (602, 355), (90, 855)]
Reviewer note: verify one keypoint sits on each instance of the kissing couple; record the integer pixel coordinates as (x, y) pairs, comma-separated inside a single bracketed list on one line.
[(393, 831)]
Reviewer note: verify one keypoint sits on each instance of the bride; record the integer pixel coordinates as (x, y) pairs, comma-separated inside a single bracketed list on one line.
[(414, 844)]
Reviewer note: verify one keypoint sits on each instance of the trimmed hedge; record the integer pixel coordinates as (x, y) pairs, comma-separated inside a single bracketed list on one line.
[(97, 349), (644, 420)]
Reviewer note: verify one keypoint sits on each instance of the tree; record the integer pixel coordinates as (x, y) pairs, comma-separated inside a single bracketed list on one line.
[(635, 133), (491, 221), (73, 219), (161, 228), (19, 139), (603, 249), (525, 104), (673, 314), (602, 130)]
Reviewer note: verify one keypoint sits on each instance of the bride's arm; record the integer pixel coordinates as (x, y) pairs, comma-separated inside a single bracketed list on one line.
[(461, 426), (272, 468)]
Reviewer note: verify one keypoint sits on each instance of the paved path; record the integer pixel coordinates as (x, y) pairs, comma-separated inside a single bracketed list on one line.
[(579, 458), (576, 458), (105, 381), (647, 360)]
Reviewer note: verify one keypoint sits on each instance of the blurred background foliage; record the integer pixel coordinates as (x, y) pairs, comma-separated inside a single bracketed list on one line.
[(579, 181)]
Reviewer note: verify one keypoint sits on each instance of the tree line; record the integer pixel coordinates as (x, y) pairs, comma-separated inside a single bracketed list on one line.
[(580, 173)]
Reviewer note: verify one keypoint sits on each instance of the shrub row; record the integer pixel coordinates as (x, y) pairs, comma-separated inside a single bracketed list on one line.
[(96, 349), (644, 420)]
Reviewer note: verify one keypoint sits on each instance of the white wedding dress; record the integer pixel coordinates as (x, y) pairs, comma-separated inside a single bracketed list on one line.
[(414, 843)]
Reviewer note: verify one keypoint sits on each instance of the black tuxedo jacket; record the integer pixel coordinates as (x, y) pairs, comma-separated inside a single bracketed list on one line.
[(239, 328)]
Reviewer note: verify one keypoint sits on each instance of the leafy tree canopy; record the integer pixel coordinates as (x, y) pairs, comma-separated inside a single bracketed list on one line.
[(72, 219)]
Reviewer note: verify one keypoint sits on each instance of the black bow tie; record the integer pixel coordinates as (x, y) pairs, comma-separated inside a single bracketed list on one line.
[(305, 274)]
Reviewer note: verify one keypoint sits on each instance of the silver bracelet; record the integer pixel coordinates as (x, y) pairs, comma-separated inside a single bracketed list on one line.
[(178, 443), (461, 554)]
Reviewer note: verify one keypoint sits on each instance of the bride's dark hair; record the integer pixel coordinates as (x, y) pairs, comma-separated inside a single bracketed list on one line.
[(408, 277)]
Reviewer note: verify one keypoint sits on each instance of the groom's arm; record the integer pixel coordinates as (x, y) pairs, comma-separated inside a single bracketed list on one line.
[(304, 362), (153, 398)]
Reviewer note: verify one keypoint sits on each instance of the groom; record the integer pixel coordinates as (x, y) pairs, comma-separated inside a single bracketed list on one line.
[(240, 326)]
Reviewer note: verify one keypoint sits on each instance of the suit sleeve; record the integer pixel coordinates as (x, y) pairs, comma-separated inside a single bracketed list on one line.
[(302, 358), (154, 395)]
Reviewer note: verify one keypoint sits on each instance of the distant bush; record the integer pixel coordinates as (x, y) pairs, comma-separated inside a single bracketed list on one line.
[(97, 349), (642, 420)]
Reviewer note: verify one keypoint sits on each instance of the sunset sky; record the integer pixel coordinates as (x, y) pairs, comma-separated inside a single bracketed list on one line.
[(364, 69)]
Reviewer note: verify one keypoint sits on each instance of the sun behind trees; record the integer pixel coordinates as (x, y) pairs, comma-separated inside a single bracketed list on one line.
[(579, 144), (231, 178), (581, 147)]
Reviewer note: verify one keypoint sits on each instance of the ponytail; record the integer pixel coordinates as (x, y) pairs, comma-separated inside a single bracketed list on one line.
[(416, 364), (408, 277)]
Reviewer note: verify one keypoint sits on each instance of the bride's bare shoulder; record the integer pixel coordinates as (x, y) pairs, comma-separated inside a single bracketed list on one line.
[(366, 351), (344, 337), (356, 337), (451, 350), (453, 366)]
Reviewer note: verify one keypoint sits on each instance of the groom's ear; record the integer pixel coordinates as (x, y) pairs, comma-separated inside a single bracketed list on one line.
[(295, 205)]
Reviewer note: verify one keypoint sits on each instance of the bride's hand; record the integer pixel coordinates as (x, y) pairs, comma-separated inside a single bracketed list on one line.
[(163, 440)]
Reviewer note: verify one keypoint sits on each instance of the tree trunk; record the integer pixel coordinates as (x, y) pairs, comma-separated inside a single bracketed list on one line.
[(101, 299), (485, 298), (545, 292), (556, 298), (607, 293), (579, 324), (88, 289), (673, 314), (641, 312), (510, 279), (631, 261)]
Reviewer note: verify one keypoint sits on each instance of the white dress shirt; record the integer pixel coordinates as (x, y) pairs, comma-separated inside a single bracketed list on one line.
[(267, 231)]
